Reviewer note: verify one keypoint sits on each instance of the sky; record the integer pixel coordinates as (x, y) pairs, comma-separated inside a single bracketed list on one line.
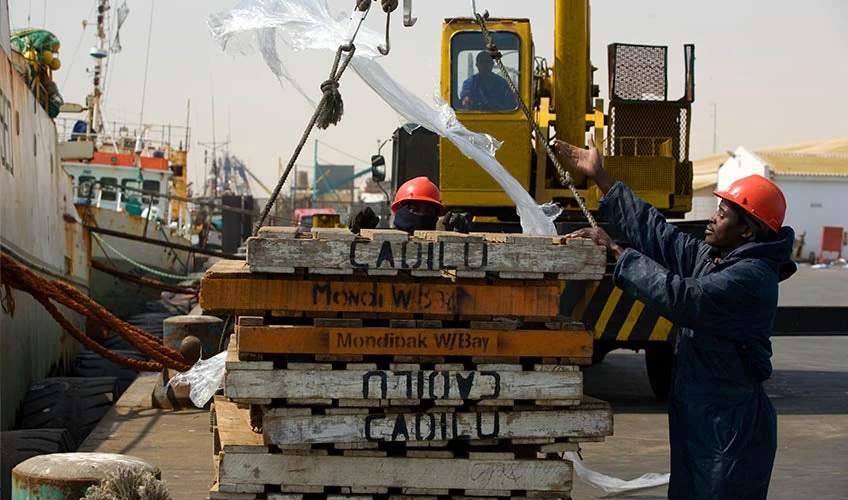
[(767, 72)]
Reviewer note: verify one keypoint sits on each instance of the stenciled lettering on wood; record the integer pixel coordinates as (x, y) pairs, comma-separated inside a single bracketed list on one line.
[(434, 384), (413, 384), (466, 342), (416, 296), (418, 255), (430, 427), (436, 425)]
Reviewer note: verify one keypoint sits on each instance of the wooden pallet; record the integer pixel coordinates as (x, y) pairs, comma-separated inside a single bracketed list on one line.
[(216, 494), (250, 468), (289, 426), (357, 384), (350, 337), (426, 254), (229, 285), (591, 422)]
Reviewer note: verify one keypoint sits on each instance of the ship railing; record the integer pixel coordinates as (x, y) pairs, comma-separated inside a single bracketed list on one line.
[(178, 213), (123, 137)]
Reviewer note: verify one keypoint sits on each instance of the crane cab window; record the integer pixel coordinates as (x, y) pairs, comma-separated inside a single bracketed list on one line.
[(476, 81)]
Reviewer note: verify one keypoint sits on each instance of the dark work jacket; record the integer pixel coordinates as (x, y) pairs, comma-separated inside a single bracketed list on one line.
[(722, 426)]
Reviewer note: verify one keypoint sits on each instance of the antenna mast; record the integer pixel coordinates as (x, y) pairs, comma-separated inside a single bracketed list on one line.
[(98, 53)]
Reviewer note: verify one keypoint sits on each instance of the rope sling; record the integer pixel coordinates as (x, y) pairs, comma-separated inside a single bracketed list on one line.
[(330, 109)]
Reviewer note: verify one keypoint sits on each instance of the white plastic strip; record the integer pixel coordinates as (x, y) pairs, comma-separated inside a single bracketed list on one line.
[(612, 485), (308, 24)]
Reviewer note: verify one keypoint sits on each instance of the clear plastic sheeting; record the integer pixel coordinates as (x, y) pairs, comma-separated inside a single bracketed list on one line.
[(442, 120), (204, 378), (613, 485), (308, 24)]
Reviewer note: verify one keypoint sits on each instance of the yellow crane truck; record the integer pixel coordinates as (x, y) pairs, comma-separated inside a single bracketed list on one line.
[(643, 135)]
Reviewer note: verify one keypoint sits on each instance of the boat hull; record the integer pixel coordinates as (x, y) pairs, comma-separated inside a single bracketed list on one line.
[(124, 255), (40, 231)]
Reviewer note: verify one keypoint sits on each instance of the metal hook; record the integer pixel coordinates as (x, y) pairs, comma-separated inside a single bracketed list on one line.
[(353, 29), (384, 49), (408, 20)]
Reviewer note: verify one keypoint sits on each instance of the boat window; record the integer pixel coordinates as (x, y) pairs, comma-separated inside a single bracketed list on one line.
[(476, 82), (107, 186), (128, 193), (84, 183), (151, 186)]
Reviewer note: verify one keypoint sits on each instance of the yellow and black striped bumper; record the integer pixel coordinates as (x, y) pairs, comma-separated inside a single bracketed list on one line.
[(610, 314)]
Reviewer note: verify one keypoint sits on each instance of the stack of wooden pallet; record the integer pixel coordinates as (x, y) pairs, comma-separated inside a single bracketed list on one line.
[(389, 366)]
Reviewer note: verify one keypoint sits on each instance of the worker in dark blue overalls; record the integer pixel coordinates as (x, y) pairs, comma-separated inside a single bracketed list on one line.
[(721, 293)]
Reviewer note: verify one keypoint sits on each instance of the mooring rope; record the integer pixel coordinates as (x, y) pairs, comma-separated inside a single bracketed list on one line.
[(42, 290)]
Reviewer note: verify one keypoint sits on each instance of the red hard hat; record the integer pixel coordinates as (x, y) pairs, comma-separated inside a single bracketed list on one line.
[(419, 189), (759, 197)]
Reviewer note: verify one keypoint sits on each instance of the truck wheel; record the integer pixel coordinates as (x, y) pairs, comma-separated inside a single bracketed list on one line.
[(658, 361), (600, 349)]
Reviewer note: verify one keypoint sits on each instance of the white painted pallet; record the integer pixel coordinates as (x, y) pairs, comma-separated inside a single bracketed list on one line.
[(281, 427), (477, 474), (242, 381), (425, 254)]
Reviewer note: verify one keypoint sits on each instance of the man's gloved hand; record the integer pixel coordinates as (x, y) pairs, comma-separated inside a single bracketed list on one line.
[(459, 222), (365, 219)]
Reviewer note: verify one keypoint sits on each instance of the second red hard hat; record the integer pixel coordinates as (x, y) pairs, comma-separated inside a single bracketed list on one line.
[(759, 197), (418, 189)]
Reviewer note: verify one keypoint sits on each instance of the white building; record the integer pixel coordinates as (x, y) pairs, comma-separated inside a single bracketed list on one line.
[(812, 176)]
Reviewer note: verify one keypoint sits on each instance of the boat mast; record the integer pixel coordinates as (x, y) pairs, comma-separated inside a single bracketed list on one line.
[(98, 53)]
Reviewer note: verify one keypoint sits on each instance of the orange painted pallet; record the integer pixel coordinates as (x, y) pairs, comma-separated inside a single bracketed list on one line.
[(245, 293), (285, 339)]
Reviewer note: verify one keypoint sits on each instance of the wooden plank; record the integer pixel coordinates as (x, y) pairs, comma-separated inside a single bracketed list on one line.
[(421, 385), (278, 232), (287, 339), (538, 299), (234, 427), (215, 493), (467, 253), (436, 425), (250, 321), (356, 472), (241, 488), (228, 269), (384, 234), (232, 361)]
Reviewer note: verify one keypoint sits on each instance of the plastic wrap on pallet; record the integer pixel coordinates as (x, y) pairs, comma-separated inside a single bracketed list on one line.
[(205, 378), (613, 485), (308, 24)]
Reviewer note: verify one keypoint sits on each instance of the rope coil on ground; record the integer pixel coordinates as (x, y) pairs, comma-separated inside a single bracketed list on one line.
[(565, 175), (43, 290)]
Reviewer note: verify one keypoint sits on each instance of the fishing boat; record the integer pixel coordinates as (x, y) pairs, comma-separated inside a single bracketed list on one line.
[(39, 228), (124, 192), (129, 183)]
